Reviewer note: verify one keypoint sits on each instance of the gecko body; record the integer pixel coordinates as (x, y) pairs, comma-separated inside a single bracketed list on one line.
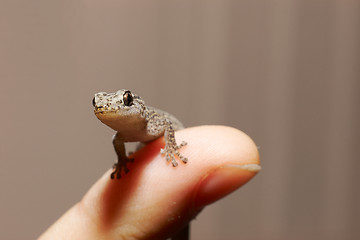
[(133, 121)]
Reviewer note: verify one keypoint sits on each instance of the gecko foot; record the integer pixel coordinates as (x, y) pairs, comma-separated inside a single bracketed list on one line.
[(119, 167), (170, 150)]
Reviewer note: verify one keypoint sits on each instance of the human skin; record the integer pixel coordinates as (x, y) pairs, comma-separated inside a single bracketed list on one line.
[(155, 200)]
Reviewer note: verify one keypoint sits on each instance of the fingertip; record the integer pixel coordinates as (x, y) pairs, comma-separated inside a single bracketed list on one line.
[(210, 147), (223, 158)]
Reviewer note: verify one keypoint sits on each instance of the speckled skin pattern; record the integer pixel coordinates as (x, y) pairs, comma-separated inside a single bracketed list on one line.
[(133, 121)]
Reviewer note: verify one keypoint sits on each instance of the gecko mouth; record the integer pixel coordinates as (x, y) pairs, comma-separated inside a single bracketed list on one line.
[(106, 109)]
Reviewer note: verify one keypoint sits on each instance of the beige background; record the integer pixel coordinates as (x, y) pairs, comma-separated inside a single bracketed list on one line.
[(285, 72)]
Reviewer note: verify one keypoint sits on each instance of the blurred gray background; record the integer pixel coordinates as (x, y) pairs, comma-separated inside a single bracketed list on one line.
[(285, 72)]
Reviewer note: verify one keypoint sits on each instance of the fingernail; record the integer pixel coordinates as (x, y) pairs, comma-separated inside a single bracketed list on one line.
[(223, 181)]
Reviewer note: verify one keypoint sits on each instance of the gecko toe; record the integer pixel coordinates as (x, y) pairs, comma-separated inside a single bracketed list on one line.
[(182, 144), (112, 176), (117, 172), (184, 159)]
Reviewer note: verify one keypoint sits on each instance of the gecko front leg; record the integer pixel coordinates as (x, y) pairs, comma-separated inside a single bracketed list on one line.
[(122, 158), (171, 148)]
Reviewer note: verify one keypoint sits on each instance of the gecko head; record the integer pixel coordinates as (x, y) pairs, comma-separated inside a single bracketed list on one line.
[(120, 105)]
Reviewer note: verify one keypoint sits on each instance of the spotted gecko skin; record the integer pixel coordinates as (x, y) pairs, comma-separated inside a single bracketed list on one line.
[(133, 121)]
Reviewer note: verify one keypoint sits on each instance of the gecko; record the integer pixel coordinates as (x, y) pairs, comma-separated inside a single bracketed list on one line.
[(133, 121)]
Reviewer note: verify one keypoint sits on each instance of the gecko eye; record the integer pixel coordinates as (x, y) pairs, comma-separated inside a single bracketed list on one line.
[(93, 102), (128, 98)]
